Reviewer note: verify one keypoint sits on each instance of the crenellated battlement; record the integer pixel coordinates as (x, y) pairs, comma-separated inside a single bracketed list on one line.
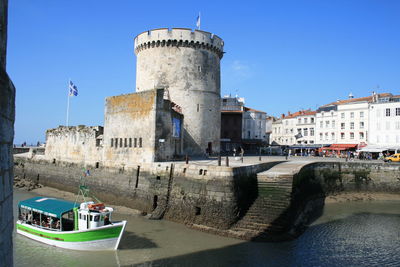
[(179, 37)]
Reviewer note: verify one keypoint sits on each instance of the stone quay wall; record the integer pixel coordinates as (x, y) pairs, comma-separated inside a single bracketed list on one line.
[(7, 117), (290, 197), (215, 196)]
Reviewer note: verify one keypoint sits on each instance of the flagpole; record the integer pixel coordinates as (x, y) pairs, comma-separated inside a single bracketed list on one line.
[(68, 102)]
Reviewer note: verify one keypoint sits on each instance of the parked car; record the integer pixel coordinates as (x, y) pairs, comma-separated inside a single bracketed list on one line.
[(394, 158)]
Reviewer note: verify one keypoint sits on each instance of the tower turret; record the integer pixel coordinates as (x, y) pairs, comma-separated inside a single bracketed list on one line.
[(187, 63)]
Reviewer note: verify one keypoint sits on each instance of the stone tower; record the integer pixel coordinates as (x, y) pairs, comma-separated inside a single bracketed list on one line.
[(187, 64)]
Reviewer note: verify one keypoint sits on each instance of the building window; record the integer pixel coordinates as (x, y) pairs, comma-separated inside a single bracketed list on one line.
[(299, 120), (351, 135), (140, 141), (305, 120), (351, 125), (388, 112), (342, 125), (311, 131), (397, 111), (112, 142), (321, 124), (312, 120), (342, 135), (332, 136), (361, 135), (361, 125), (326, 136), (135, 142), (130, 142), (333, 124), (361, 114), (327, 124), (320, 136), (342, 115), (305, 131), (351, 115)]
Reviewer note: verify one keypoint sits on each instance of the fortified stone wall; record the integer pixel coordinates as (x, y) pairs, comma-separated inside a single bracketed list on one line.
[(129, 123), (139, 128), (214, 196), (79, 144), (7, 116), (188, 64)]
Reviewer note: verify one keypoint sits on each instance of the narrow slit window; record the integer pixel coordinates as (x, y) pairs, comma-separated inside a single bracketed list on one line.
[(116, 142), (130, 142), (120, 142), (140, 142), (112, 142), (125, 142), (198, 107), (135, 142)]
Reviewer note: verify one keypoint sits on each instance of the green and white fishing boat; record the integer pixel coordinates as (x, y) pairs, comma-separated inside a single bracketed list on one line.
[(65, 224)]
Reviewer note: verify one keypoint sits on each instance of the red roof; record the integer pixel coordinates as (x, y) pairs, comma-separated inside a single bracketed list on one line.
[(360, 99)]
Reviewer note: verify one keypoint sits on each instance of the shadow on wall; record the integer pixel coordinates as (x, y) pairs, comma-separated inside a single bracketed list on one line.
[(191, 148), (306, 204)]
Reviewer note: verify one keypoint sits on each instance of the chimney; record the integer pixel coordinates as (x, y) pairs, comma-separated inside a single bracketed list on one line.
[(351, 95)]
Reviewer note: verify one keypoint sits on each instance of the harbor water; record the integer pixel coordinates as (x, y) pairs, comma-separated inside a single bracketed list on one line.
[(347, 234)]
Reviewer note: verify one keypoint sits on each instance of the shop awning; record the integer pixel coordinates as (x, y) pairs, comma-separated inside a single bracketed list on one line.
[(378, 148), (340, 147)]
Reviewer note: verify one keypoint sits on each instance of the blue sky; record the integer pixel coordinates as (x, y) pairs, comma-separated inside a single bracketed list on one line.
[(280, 55)]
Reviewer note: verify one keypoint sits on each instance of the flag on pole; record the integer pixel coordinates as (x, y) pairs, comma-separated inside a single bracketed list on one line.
[(198, 22), (73, 90)]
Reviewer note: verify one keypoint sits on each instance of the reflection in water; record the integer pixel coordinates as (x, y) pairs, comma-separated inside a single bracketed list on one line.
[(351, 234)]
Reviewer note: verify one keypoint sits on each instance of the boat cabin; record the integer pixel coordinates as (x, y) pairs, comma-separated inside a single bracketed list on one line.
[(91, 215), (48, 213), (61, 215)]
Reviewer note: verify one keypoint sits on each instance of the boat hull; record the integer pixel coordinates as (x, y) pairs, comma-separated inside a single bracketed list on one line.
[(102, 238)]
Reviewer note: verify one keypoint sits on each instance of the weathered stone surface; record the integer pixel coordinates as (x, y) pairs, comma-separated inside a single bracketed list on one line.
[(74, 144)]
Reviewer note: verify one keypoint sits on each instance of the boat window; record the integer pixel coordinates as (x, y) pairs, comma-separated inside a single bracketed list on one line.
[(84, 217), (96, 218), (91, 217), (101, 218), (80, 216)]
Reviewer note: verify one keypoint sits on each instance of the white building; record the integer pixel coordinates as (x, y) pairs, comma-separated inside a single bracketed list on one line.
[(326, 123), (384, 121), (305, 127), (296, 128), (254, 125)]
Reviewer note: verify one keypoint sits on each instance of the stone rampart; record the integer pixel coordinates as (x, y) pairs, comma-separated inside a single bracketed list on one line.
[(193, 194), (74, 144)]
